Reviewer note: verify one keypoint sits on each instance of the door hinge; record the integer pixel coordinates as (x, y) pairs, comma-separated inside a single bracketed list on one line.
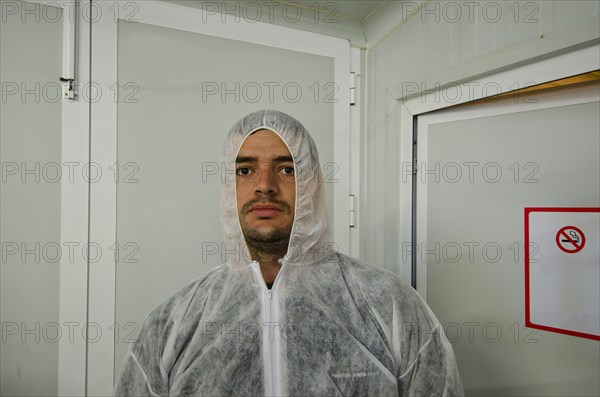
[(352, 207), (352, 88), (68, 88), (415, 169)]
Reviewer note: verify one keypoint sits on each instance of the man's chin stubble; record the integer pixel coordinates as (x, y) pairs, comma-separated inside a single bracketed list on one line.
[(271, 241)]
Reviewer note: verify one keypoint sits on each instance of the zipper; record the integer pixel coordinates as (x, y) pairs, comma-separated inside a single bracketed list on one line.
[(269, 336), (272, 340)]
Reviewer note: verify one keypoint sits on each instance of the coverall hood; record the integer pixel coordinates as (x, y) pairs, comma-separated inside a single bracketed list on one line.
[(309, 239)]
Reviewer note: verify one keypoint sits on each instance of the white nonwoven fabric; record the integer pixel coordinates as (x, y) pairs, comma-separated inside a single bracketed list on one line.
[(310, 240), (330, 326)]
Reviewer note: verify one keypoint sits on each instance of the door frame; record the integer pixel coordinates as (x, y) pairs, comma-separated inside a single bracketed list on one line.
[(527, 66), (565, 96), (102, 285), (74, 225)]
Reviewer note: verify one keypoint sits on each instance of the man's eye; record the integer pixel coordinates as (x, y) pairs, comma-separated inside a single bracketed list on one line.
[(242, 171), (288, 170)]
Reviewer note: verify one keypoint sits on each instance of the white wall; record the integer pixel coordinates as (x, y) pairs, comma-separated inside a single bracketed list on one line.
[(30, 197), (322, 17), (413, 41)]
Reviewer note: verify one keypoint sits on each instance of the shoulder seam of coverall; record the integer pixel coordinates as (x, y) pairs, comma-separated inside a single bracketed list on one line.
[(418, 354), (144, 373)]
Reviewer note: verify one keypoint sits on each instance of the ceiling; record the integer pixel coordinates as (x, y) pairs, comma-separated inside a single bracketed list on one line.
[(349, 9), (346, 19), (354, 10)]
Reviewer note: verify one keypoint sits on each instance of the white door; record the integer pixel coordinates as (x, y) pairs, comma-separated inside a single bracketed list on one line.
[(175, 79), (479, 167)]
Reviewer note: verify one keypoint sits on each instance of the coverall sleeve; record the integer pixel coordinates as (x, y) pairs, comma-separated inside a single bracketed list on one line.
[(133, 380), (151, 358), (433, 370), (143, 373)]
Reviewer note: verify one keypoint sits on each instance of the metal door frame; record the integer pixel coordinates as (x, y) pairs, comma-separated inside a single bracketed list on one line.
[(406, 104)]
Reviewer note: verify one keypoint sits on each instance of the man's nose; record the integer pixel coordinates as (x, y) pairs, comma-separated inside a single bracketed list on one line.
[(266, 183)]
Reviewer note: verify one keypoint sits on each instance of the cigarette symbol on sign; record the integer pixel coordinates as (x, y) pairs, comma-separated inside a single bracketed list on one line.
[(574, 237), (570, 239)]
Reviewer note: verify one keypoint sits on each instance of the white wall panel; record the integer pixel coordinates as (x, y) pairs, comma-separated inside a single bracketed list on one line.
[(30, 142), (438, 41), (567, 12), (465, 40), (522, 19)]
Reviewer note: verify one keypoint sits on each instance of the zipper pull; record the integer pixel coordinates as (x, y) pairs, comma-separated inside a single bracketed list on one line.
[(270, 293)]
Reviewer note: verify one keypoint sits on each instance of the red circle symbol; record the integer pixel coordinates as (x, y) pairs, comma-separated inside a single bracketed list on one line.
[(570, 239)]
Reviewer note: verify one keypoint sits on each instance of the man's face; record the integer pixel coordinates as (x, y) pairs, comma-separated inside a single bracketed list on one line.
[(265, 188)]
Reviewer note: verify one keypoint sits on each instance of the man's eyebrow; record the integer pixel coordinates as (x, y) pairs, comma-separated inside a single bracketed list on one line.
[(283, 159), (245, 159), (277, 159)]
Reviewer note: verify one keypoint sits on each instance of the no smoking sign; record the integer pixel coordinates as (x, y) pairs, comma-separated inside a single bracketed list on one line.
[(570, 239), (562, 273)]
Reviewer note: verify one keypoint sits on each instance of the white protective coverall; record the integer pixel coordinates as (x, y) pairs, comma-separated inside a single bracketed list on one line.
[(330, 325)]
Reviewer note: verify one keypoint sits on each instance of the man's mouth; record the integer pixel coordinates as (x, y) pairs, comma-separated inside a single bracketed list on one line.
[(264, 210)]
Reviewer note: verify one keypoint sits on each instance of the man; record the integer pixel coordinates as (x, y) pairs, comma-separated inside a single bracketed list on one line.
[(288, 315)]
